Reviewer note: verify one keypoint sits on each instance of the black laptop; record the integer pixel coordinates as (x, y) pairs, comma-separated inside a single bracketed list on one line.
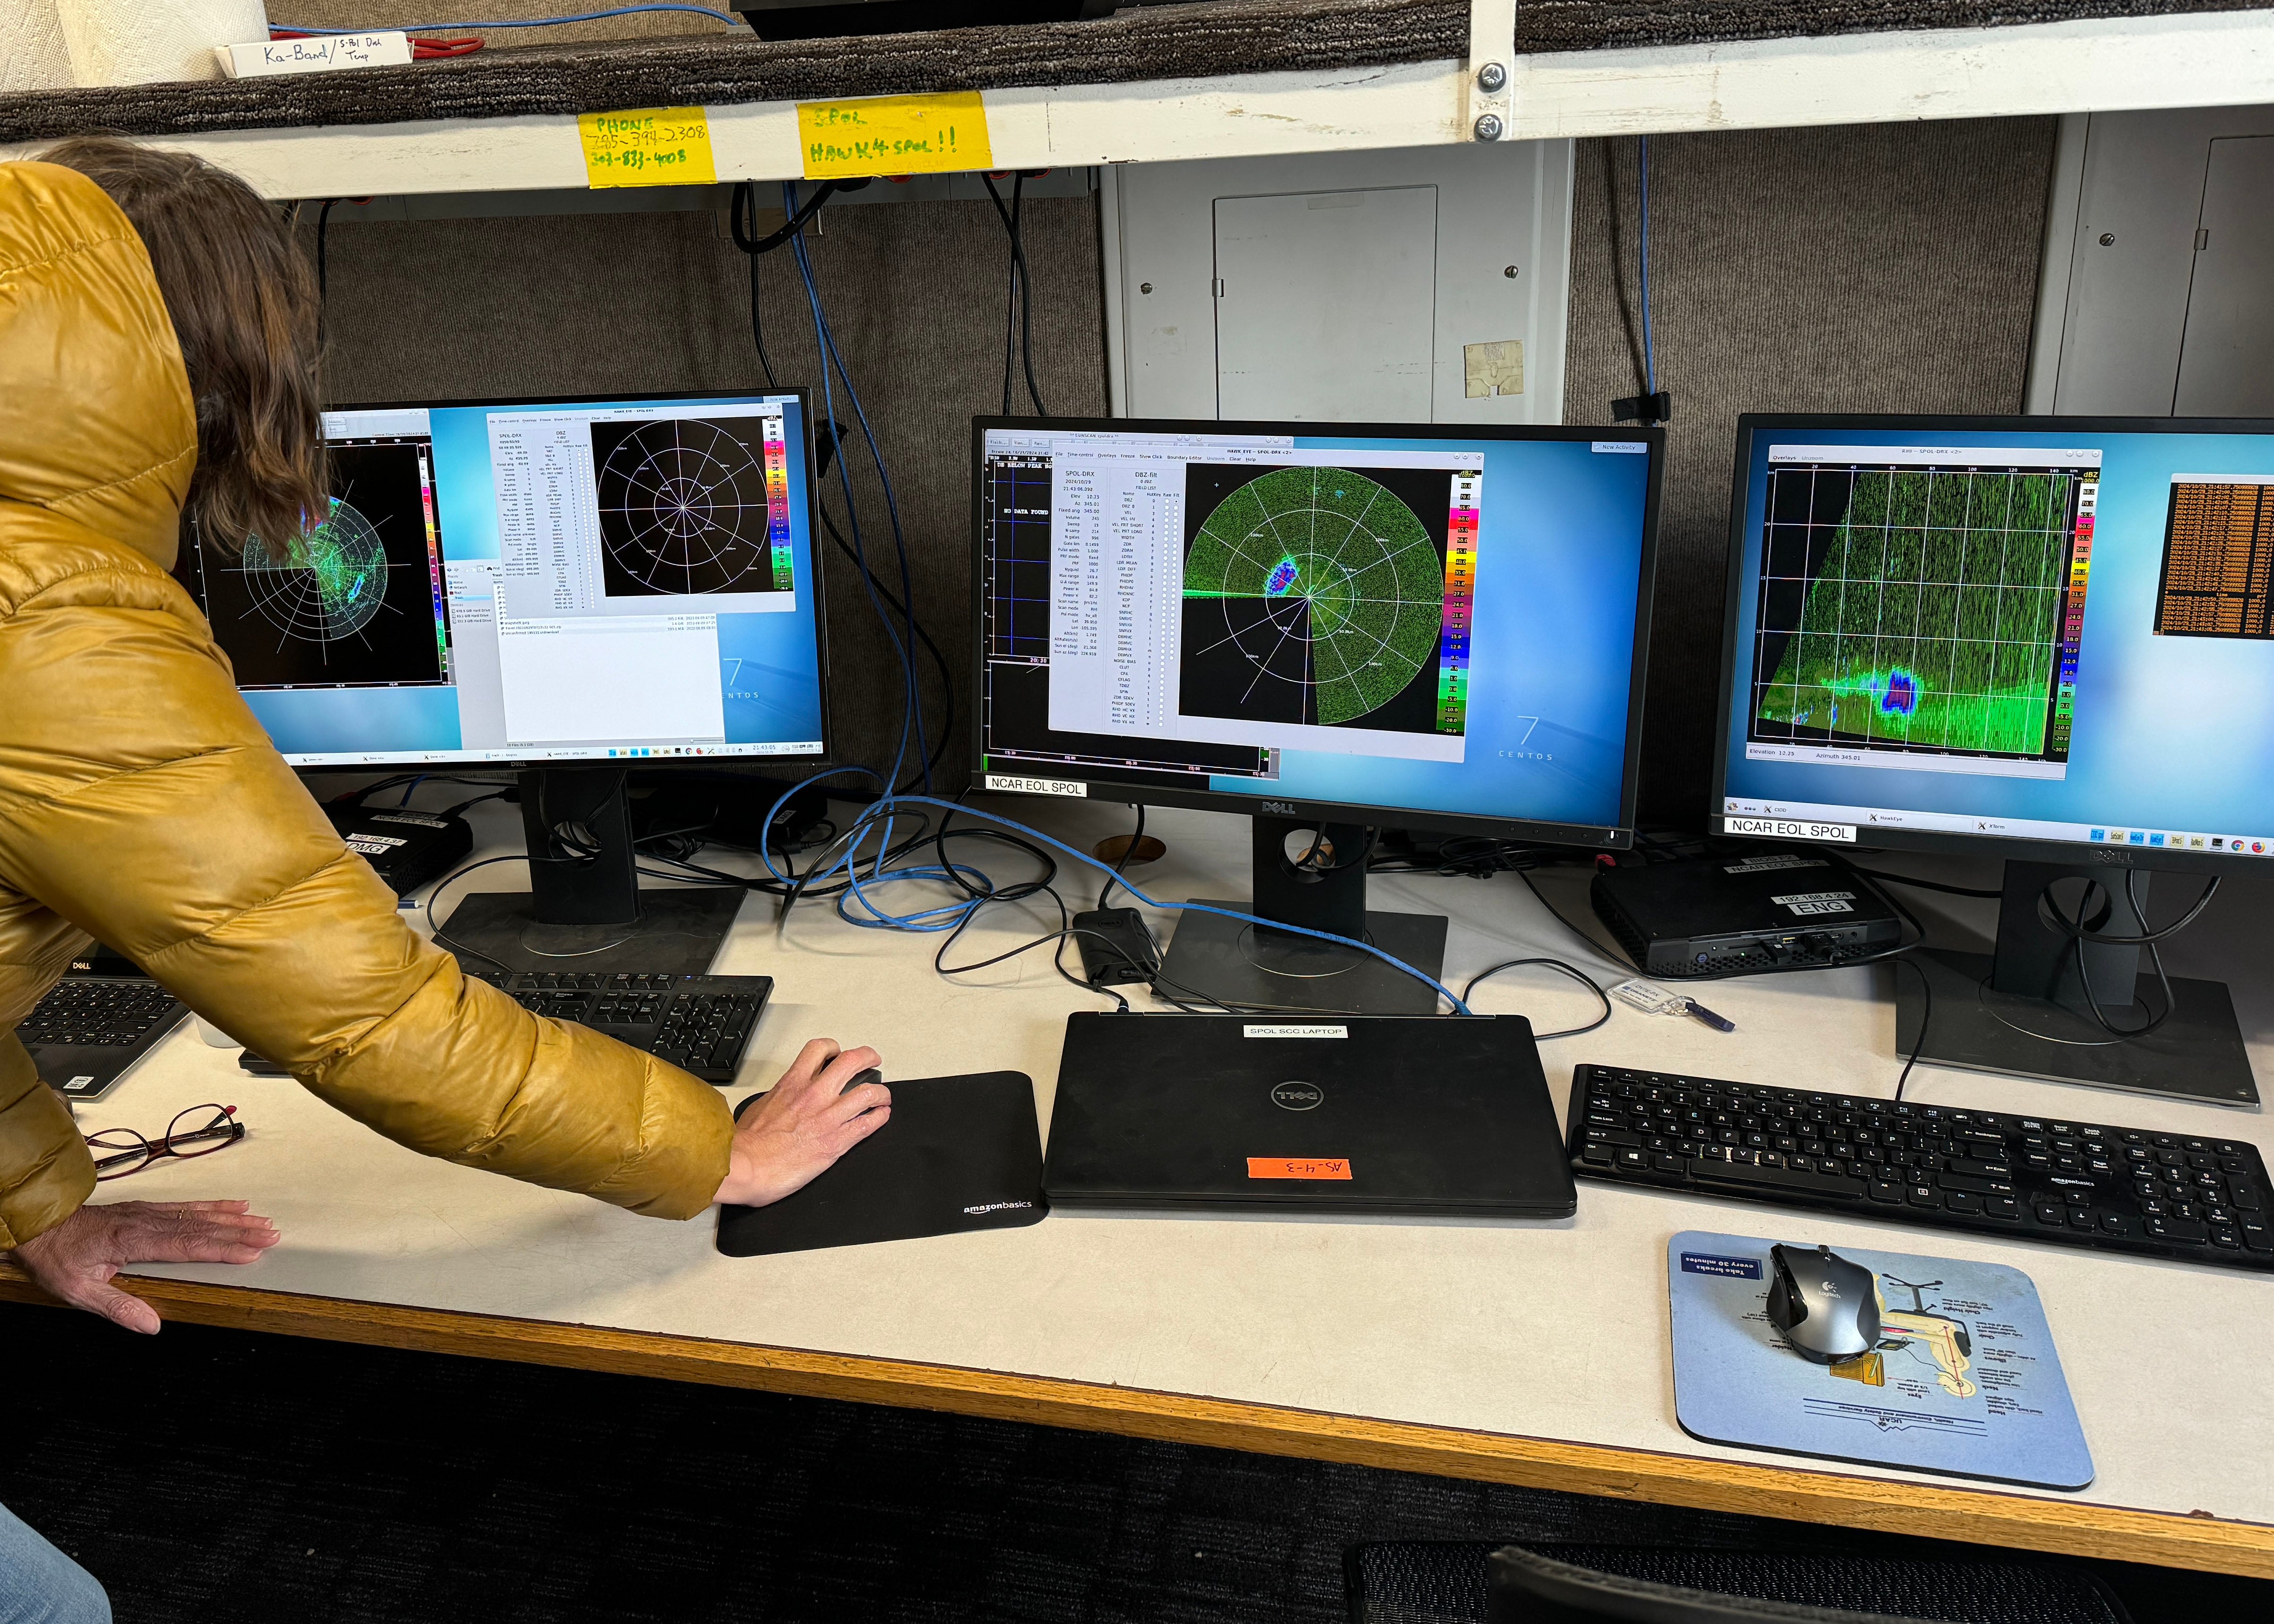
[(96, 1023), (1420, 1115)]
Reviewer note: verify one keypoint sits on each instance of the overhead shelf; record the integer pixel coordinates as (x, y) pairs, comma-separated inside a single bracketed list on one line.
[(1300, 76)]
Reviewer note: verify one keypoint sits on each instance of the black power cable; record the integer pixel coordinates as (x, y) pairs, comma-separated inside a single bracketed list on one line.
[(827, 448), (1557, 965), (1127, 852), (1019, 320)]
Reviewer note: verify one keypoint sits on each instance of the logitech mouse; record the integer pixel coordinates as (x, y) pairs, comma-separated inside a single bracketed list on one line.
[(1827, 1307)]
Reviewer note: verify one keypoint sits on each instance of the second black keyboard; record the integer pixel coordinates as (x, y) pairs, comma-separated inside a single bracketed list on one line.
[(701, 1023), (2200, 1199)]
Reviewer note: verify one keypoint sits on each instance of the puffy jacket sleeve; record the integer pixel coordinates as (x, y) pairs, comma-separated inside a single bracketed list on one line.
[(141, 800)]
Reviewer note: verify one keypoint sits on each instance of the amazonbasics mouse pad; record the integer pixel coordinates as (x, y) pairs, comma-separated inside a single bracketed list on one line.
[(958, 1153)]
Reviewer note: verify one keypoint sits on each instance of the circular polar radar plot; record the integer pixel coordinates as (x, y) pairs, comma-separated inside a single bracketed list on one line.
[(1325, 579), (332, 590), (683, 509)]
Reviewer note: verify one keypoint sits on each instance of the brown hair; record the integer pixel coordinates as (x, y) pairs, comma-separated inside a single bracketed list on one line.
[(245, 307)]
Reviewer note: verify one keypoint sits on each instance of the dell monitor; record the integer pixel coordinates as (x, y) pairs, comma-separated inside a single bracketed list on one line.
[(1325, 628), (2049, 640), (568, 587)]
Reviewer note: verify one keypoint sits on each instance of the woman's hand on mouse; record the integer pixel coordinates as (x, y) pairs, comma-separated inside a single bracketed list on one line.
[(803, 1123)]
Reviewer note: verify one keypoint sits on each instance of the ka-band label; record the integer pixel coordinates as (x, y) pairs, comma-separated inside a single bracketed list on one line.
[(1035, 787), (1818, 902), (1789, 829)]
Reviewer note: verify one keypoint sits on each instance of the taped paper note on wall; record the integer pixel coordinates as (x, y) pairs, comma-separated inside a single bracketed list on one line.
[(649, 147), (893, 135)]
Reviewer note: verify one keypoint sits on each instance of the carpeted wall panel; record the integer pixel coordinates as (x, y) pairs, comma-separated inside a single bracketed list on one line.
[(654, 301), (1163, 42), (1876, 267)]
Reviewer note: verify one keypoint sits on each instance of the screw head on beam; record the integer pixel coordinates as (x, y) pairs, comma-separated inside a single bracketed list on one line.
[(1492, 76), (1489, 127)]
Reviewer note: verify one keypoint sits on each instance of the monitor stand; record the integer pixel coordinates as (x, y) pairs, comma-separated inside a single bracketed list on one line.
[(588, 914), (2023, 1010), (1212, 958)]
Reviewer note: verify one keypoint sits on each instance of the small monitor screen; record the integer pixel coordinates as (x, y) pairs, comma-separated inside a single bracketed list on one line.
[(2044, 631), (1438, 622), (548, 581)]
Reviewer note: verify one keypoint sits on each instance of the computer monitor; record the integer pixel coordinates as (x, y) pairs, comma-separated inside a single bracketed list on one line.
[(570, 587), (2047, 639), (1325, 628)]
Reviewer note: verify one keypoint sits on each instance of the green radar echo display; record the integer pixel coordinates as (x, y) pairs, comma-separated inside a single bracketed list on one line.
[(1915, 609), (356, 601), (1315, 596)]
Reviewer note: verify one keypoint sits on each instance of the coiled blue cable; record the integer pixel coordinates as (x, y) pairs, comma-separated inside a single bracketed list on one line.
[(947, 917)]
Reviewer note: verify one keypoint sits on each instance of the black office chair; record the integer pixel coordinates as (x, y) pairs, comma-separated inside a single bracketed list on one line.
[(1415, 1582)]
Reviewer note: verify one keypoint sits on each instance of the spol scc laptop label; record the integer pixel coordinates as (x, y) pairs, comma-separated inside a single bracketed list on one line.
[(1298, 1167)]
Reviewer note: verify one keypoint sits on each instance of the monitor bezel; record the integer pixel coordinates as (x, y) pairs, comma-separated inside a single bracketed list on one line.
[(2077, 854), (708, 763), (1597, 836)]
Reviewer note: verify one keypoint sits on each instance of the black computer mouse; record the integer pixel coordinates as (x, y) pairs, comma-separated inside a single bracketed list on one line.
[(1827, 1307)]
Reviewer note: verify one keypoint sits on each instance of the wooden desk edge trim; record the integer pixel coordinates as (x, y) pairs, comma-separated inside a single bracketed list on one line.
[(1980, 1517)]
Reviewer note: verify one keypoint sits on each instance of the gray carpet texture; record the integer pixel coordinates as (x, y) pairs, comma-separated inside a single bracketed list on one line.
[(1222, 37)]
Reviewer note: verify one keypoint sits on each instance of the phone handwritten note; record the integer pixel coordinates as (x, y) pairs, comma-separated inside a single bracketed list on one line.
[(652, 147), (893, 135)]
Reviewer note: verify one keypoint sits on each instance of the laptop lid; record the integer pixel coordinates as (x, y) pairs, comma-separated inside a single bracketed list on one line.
[(1361, 1113)]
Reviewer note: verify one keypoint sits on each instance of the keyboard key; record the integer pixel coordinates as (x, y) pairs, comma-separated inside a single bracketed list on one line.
[(1778, 1179), (1961, 1201), (1887, 1191)]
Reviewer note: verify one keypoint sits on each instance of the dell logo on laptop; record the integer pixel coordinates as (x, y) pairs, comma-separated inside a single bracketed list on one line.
[(1297, 1096)]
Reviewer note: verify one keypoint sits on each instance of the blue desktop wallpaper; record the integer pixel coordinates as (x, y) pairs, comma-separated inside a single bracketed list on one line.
[(769, 663), (1559, 571), (2170, 732)]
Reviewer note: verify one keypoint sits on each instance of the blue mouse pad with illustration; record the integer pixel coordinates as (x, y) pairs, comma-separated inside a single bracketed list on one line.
[(1962, 1378)]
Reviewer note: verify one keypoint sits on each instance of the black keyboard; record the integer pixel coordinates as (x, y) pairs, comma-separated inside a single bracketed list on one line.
[(89, 1029), (2129, 1190), (702, 1023)]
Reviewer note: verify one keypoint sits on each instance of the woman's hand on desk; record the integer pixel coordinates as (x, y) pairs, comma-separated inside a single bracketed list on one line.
[(803, 1123), (75, 1260)]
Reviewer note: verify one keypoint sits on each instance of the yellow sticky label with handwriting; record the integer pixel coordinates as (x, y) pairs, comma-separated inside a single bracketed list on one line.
[(652, 147), (893, 135)]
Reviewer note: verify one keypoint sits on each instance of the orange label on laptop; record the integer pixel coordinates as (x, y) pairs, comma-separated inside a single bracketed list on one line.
[(1298, 1167)]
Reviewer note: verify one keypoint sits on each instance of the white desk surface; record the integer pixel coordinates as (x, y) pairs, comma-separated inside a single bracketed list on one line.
[(1552, 1331)]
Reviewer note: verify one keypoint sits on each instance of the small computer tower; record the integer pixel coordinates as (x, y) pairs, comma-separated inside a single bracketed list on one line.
[(1732, 915)]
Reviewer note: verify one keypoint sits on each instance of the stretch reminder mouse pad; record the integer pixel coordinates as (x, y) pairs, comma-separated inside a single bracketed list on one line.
[(958, 1153), (1964, 1378)]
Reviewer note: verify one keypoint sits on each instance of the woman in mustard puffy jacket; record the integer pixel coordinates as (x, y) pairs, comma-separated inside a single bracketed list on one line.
[(157, 351)]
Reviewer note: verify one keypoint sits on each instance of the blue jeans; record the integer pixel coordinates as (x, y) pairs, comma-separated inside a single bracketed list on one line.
[(39, 1584)]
